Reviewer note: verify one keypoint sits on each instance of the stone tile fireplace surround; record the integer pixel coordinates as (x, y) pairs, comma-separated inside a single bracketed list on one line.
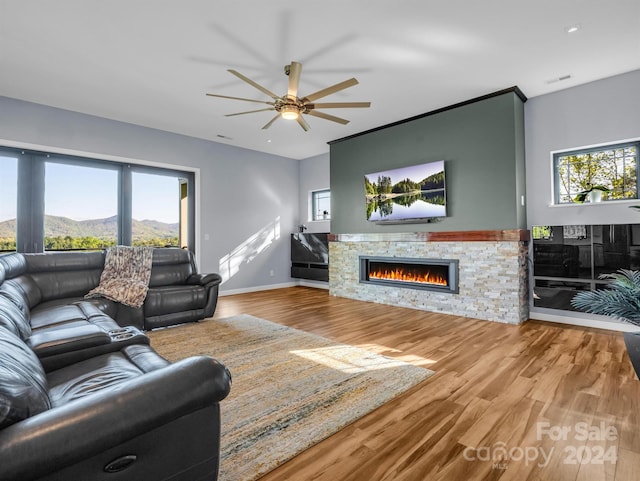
[(492, 271)]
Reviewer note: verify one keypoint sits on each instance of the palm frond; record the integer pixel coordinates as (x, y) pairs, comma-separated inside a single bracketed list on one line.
[(620, 300)]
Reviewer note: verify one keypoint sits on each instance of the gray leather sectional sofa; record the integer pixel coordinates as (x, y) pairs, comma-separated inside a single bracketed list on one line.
[(82, 393), (177, 292)]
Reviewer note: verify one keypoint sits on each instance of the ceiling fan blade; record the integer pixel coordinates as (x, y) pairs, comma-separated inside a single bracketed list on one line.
[(333, 118), (294, 78), (241, 98), (253, 84), (303, 123), (338, 105), (249, 112), (268, 124), (330, 90)]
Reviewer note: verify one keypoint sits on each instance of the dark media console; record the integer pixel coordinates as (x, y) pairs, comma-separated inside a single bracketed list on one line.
[(310, 256)]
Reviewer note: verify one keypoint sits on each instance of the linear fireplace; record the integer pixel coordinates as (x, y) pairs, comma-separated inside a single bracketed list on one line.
[(414, 273), (491, 278)]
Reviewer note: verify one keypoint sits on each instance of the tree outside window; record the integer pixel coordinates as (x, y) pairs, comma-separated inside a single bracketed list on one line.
[(613, 167)]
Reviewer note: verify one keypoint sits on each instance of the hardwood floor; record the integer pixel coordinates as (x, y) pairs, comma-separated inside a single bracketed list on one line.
[(538, 401)]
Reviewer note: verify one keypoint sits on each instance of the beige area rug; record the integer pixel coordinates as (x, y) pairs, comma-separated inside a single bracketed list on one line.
[(291, 389)]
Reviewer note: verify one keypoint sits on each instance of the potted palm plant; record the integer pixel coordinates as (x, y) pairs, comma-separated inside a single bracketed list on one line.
[(621, 301), (592, 192)]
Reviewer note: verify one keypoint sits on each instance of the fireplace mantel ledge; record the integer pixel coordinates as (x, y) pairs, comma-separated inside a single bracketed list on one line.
[(510, 235)]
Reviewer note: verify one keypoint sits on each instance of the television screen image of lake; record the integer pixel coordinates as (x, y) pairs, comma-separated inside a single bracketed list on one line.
[(406, 193), (405, 207)]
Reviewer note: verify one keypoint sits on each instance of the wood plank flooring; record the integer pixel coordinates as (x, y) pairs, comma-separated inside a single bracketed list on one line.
[(539, 401)]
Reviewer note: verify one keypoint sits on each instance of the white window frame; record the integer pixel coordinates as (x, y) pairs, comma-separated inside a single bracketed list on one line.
[(554, 155), (313, 200)]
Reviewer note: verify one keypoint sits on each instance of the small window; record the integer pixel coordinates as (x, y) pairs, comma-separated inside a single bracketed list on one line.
[(612, 170), (321, 205)]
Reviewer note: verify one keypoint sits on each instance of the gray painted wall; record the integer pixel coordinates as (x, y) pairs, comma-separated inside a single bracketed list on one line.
[(248, 200), (599, 112), (482, 144)]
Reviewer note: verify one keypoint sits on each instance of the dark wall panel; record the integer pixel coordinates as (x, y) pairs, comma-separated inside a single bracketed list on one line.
[(482, 143)]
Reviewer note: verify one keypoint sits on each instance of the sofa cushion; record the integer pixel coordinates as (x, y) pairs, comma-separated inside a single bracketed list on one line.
[(56, 315), (55, 285), (171, 266), (13, 264), (101, 373), (13, 318), (28, 289), (103, 305), (65, 274), (87, 377), (12, 292), (23, 384)]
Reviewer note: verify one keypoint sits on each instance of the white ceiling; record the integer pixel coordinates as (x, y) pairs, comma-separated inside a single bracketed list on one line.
[(150, 62)]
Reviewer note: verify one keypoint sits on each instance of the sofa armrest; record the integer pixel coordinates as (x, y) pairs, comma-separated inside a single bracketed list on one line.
[(69, 434), (204, 279), (55, 341)]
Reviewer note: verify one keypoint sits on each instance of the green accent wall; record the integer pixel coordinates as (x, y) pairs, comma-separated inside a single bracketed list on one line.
[(482, 144)]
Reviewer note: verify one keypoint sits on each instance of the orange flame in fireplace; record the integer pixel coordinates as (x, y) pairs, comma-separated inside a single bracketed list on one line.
[(399, 274)]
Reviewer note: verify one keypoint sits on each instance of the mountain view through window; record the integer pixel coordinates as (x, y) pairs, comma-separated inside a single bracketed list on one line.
[(82, 208)]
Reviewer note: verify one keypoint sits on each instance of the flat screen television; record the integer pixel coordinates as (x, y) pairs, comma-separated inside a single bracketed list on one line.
[(407, 194)]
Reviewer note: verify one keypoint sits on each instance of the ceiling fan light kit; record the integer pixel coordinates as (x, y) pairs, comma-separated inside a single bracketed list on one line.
[(291, 106), (289, 112)]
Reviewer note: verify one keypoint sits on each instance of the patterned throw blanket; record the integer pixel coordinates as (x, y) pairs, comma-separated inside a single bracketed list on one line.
[(126, 275)]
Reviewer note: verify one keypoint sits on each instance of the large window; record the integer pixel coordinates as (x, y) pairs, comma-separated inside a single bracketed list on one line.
[(612, 170), (54, 202), (321, 205), (8, 202), (80, 207)]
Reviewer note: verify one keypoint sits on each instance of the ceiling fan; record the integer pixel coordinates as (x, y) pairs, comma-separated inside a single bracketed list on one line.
[(291, 106)]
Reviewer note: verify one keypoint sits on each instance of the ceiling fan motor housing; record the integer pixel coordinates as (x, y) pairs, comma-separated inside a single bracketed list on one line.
[(289, 104)]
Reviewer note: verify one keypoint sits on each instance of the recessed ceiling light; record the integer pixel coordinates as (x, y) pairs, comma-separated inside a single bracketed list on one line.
[(572, 28), (269, 141)]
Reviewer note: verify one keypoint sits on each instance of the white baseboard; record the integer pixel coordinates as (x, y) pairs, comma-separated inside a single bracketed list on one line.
[(603, 323), (231, 292), (246, 290)]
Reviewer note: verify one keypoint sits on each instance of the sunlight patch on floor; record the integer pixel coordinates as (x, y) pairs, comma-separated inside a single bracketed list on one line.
[(395, 353), (348, 360)]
